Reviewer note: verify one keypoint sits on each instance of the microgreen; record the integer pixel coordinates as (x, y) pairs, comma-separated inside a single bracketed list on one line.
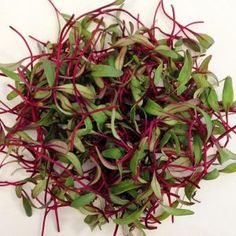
[(122, 120)]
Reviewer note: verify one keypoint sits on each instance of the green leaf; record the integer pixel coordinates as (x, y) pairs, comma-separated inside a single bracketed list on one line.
[(164, 215), (118, 201), (50, 71), (113, 128), (197, 148), (167, 52), (225, 155), (153, 108), (69, 182), (112, 153), (158, 73), (128, 219), (156, 187), (185, 73), (189, 191), (75, 162), (85, 91), (205, 64), (205, 40), (83, 200), (212, 100), (138, 155), (228, 94), (123, 187), (9, 73), (208, 123), (155, 135), (27, 206), (177, 211), (18, 191), (201, 80), (192, 44), (105, 71), (229, 169), (138, 38), (119, 63), (165, 139), (39, 188), (214, 174)]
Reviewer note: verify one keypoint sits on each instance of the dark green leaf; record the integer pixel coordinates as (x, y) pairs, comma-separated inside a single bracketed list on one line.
[(105, 71), (214, 174), (27, 206), (9, 73), (50, 71), (185, 73), (205, 40), (83, 200), (228, 94), (39, 188), (156, 187), (131, 218)]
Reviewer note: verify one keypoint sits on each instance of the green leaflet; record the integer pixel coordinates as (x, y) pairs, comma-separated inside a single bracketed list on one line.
[(164, 215), (205, 40), (192, 44), (119, 63), (85, 91), (167, 52), (156, 187), (83, 200), (185, 73), (123, 187), (105, 71), (158, 74), (228, 94), (118, 201), (153, 108), (27, 206), (112, 153), (231, 168), (75, 162), (197, 148), (212, 100), (177, 211), (100, 117), (208, 123), (155, 135), (201, 80), (113, 128), (50, 71), (212, 175), (225, 155), (205, 64), (129, 218), (9, 73), (189, 191), (138, 155), (39, 188), (165, 139)]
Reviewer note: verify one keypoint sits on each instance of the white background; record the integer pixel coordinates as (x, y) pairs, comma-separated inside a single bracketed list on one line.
[(215, 216)]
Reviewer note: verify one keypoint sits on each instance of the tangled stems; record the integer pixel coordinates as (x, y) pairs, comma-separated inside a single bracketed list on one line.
[(115, 121)]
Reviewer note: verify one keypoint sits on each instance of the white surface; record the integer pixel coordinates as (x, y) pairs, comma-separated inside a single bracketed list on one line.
[(215, 216)]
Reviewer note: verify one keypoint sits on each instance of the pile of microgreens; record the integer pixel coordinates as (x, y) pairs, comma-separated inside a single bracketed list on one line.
[(125, 117)]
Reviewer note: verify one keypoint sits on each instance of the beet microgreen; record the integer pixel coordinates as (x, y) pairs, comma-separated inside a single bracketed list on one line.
[(115, 121)]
